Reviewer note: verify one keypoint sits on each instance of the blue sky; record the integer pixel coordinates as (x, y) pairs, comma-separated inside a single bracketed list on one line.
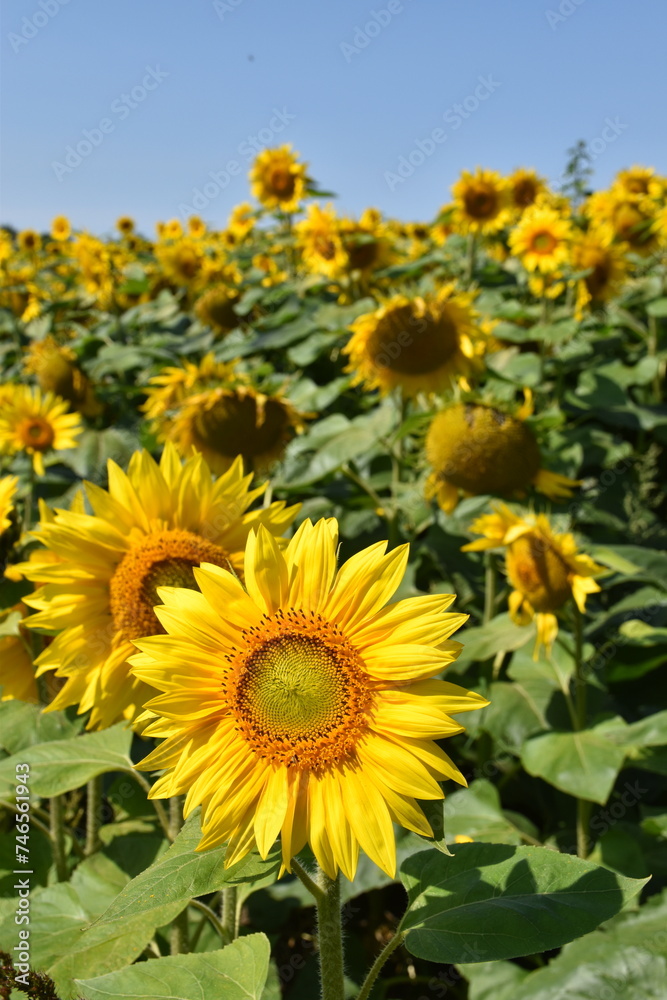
[(186, 88)]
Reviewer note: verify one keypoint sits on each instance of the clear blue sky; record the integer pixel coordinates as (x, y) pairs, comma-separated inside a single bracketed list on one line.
[(230, 64)]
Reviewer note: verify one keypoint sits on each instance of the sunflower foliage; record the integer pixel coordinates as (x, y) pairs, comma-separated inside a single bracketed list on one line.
[(244, 473)]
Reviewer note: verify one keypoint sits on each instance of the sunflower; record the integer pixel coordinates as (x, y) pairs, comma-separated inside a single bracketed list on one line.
[(215, 308), (318, 238), (181, 260), (17, 674), (56, 371), (125, 225), (366, 243), (525, 187), (481, 201), (37, 423), (278, 179), (301, 706), (419, 345), (241, 221), (637, 182), (98, 578), (606, 264), (29, 240), (196, 226), (479, 449), (8, 487), (546, 569), (173, 385), (61, 228), (233, 420), (624, 217), (541, 239)]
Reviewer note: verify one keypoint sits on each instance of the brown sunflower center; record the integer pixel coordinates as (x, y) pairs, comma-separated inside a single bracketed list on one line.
[(236, 425), (543, 242), (298, 691), (481, 450), (362, 253), (481, 202), (282, 182), (163, 559), (536, 569), (36, 433), (413, 345), (524, 192)]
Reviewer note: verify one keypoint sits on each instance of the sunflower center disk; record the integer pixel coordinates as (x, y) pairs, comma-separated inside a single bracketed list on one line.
[(411, 344), (537, 570), (36, 433), (162, 559), (299, 691)]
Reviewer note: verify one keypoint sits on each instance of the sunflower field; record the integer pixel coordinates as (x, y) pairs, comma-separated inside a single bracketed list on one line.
[(334, 599)]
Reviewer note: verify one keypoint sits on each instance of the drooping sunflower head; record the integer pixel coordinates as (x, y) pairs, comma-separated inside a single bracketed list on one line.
[(37, 423), (61, 228), (525, 187), (421, 344), (98, 578), (215, 308), (541, 239), (29, 241), (319, 239), (278, 180), (482, 201), (478, 449), (56, 371), (320, 704), (225, 422), (545, 568), (605, 262)]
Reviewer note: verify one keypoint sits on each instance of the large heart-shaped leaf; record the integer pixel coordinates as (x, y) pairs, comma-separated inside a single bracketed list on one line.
[(583, 764), (492, 901)]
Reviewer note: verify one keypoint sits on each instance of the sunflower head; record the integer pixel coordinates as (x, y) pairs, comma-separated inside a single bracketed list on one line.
[(319, 239), (625, 217), (480, 449), (225, 422), (320, 709), (636, 182), (196, 226), (546, 569), (182, 260), (605, 262), (418, 344), (173, 385), (541, 239), (215, 308), (61, 228), (29, 241), (37, 423), (99, 574), (125, 225), (525, 187), (241, 221), (278, 179), (481, 201), (56, 371)]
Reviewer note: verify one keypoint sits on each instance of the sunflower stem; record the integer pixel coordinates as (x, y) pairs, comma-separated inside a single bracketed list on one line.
[(93, 815), (179, 931), (229, 913), (376, 968), (584, 807), (330, 938), (470, 258), (28, 502), (57, 831), (303, 876), (490, 580)]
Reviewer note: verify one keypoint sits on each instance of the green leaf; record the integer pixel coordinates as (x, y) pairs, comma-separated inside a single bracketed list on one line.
[(492, 980), (623, 973), (183, 873), (22, 725), (476, 812), (62, 765), (583, 764), (492, 901), (237, 972), (501, 634)]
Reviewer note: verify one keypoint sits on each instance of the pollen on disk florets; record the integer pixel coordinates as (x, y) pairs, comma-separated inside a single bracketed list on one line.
[(299, 691), (162, 559)]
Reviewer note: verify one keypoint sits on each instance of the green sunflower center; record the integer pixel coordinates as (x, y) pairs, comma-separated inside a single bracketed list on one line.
[(299, 691)]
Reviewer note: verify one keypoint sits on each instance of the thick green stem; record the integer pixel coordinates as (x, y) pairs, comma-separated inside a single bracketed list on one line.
[(179, 932), (301, 873), (57, 831), (93, 815), (229, 913), (584, 807), (376, 968), (330, 938)]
